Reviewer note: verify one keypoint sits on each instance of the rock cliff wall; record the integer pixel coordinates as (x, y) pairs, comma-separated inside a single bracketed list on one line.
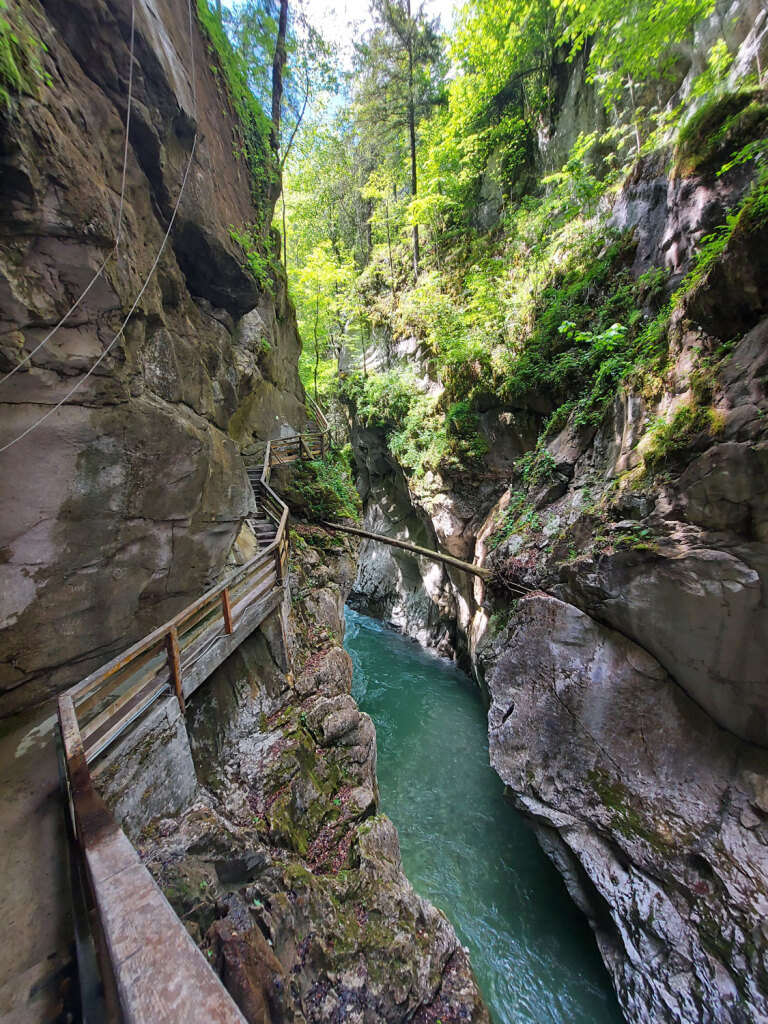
[(628, 707), (122, 506), (654, 815)]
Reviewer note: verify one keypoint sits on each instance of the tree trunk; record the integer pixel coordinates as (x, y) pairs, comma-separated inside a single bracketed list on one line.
[(285, 236), (414, 185), (389, 246), (412, 141), (278, 64), (414, 181), (317, 347), (638, 140)]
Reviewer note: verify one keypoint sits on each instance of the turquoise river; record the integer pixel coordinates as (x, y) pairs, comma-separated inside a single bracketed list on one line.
[(464, 848)]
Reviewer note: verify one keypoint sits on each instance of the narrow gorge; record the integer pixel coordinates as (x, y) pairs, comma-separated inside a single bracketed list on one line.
[(488, 281)]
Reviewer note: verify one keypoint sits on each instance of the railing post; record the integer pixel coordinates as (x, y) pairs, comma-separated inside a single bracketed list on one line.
[(174, 664), (226, 607), (279, 561), (322, 445)]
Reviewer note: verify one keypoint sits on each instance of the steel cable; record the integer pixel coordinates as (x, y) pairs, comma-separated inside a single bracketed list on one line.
[(125, 322)]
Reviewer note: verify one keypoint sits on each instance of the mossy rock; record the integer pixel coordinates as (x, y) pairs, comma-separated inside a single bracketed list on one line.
[(719, 129)]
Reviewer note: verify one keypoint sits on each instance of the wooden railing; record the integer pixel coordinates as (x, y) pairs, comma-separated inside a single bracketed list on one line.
[(170, 981), (111, 698), (311, 445), (116, 694)]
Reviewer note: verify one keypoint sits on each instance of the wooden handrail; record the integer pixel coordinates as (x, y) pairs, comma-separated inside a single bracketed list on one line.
[(101, 842), (167, 636), (158, 636), (160, 976)]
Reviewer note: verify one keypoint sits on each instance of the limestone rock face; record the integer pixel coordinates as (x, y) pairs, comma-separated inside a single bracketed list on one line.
[(412, 593), (121, 507), (701, 612), (653, 814), (671, 214), (676, 561)]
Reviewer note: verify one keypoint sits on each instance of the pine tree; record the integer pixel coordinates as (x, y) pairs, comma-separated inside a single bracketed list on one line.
[(400, 68)]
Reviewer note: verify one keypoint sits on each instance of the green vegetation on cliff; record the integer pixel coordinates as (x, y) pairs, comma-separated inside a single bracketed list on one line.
[(322, 489), (21, 69), (473, 263), (449, 227), (270, 61)]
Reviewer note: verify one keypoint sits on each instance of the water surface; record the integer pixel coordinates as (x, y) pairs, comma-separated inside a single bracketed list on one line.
[(464, 848)]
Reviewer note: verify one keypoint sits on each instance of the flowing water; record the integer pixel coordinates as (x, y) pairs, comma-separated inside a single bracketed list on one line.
[(464, 848)]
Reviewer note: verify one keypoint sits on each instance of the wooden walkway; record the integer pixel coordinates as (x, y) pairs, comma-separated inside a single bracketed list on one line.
[(152, 971), (149, 968)]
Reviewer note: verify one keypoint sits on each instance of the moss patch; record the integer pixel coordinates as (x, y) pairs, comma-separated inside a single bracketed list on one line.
[(719, 129), (21, 70), (689, 423), (322, 489)]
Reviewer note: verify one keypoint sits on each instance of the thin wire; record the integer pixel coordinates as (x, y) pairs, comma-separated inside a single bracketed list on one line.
[(127, 126), (124, 324), (113, 251)]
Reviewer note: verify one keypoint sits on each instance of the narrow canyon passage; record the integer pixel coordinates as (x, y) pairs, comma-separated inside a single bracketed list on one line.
[(463, 847)]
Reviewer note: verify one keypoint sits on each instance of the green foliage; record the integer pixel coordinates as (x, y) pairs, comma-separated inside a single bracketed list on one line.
[(577, 186), (420, 435), (536, 466), (667, 438), (503, 50), (632, 43), (398, 69), (265, 268), (383, 400), (575, 347), (21, 70), (525, 296), (323, 489), (520, 519), (321, 290), (750, 215)]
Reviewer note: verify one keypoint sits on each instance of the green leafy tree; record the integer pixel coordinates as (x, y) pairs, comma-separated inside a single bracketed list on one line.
[(321, 290), (401, 72), (381, 191), (633, 43)]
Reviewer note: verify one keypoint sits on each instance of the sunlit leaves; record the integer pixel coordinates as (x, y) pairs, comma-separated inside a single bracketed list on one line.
[(631, 39)]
